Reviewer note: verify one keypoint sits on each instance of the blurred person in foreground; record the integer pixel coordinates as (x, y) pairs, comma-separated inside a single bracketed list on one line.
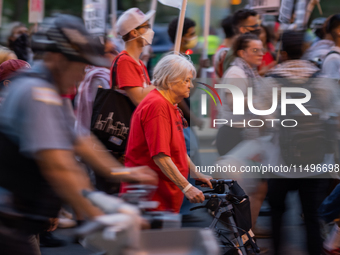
[(331, 64), (18, 41), (38, 144), (156, 136), (294, 72), (132, 76), (244, 21), (248, 52)]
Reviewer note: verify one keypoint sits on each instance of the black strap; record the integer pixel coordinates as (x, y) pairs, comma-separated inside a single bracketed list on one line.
[(332, 52), (114, 71)]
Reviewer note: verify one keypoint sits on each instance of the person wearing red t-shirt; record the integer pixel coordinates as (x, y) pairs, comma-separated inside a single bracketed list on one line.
[(132, 75), (156, 137)]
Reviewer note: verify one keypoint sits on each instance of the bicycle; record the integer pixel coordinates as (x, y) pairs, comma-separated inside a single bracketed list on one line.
[(230, 207)]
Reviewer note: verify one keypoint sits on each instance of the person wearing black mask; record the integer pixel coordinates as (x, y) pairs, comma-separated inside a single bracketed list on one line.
[(18, 42), (244, 21)]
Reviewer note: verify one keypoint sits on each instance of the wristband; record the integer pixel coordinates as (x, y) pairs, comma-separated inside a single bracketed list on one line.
[(187, 188)]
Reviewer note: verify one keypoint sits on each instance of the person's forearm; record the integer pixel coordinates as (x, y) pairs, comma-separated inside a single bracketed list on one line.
[(171, 171), (64, 175), (192, 167), (96, 155), (137, 94)]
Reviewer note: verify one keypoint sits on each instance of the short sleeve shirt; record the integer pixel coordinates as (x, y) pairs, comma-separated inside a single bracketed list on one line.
[(130, 73), (331, 64), (156, 127), (35, 117)]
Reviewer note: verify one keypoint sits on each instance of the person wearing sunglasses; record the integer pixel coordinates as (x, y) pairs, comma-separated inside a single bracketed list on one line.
[(244, 21)]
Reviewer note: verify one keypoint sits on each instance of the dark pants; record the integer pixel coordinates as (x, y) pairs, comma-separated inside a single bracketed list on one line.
[(312, 192), (227, 138)]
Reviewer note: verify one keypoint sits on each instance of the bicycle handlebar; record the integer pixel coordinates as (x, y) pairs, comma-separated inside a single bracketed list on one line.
[(215, 181), (215, 196)]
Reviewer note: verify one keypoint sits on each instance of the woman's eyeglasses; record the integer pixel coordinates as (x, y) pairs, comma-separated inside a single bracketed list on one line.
[(258, 51)]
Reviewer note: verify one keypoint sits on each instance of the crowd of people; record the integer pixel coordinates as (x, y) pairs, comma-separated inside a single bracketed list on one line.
[(56, 83)]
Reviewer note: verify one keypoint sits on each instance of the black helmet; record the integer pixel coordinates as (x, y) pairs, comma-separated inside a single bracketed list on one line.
[(67, 34)]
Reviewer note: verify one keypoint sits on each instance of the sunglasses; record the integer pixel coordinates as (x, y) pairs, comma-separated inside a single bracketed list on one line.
[(253, 26)]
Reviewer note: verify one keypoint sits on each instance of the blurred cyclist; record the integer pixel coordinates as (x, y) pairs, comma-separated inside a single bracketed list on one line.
[(37, 142)]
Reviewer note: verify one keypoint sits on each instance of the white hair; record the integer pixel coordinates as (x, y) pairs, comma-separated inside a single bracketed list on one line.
[(172, 68)]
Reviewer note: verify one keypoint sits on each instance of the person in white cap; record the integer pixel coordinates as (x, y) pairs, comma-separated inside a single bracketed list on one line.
[(132, 76)]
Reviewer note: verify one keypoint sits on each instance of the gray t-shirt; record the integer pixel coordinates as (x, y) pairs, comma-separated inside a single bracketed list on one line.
[(36, 117), (331, 64)]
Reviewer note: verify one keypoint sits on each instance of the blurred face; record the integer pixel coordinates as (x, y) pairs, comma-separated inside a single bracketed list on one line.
[(250, 25), (189, 39), (181, 88), (110, 50), (66, 73), (19, 31), (253, 54)]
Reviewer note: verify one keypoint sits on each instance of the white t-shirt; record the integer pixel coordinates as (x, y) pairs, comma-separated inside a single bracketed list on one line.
[(236, 76)]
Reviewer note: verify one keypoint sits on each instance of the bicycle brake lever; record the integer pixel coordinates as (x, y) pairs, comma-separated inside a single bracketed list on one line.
[(197, 207)]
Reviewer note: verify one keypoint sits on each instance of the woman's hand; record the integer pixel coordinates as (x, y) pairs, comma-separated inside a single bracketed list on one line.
[(194, 195), (206, 179)]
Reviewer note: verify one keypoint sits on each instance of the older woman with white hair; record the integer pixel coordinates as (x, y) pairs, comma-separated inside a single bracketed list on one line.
[(156, 137)]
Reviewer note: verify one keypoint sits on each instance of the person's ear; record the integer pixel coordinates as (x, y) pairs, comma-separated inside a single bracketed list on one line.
[(242, 30), (241, 53), (134, 33)]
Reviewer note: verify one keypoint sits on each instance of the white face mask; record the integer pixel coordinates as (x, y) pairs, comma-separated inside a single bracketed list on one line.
[(148, 36)]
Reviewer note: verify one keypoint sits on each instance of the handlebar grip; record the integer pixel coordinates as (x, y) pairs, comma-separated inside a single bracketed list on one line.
[(215, 196), (216, 181), (197, 183)]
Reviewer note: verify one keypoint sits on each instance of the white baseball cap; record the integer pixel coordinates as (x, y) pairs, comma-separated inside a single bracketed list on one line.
[(131, 19)]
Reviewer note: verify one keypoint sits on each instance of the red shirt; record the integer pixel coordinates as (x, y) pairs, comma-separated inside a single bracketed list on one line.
[(129, 73), (156, 127)]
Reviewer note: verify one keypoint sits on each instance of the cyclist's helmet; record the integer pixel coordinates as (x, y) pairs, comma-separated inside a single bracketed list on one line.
[(67, 34)]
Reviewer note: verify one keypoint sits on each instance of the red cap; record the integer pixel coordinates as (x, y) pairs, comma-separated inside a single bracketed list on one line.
[(8, 67)]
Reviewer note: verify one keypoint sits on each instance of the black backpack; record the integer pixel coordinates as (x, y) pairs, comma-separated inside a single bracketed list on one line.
[(307, 142), (112, 112)]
